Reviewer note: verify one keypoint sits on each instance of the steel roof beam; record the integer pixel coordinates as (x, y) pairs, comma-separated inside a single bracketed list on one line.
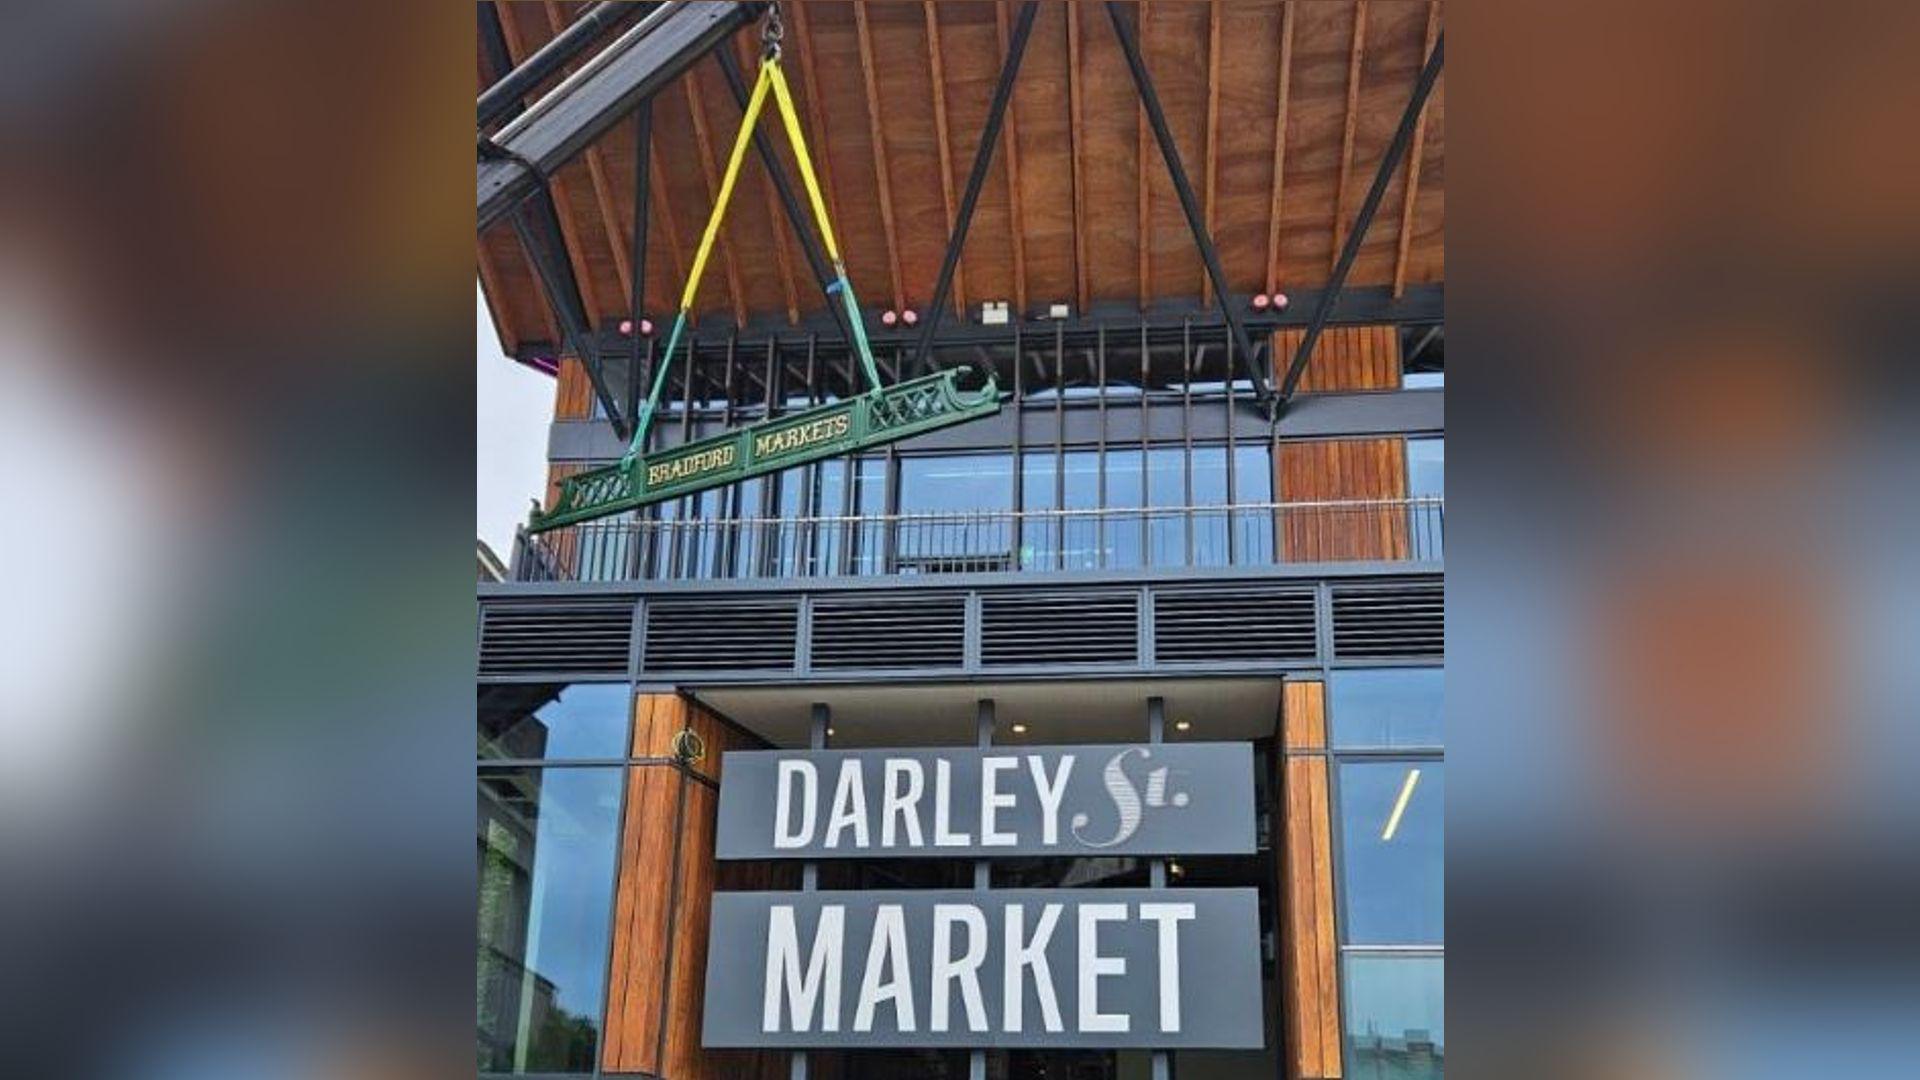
[(520, 156)]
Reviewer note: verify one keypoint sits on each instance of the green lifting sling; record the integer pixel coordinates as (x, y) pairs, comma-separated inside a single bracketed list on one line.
[(881, 415)]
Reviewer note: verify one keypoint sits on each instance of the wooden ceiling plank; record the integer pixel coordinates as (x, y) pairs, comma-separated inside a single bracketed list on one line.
[(1145, 226), (1280, 147), (1413, 161), (1352, 121), (1076, 139), (939, 79), (707, 169), (664, 206), (1213, 134), (517, 49), (1010, 128), (880, 167), (597, 174)]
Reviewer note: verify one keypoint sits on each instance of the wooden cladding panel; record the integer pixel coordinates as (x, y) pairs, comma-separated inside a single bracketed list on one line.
[(1344, 358), (1310, 993), (573, 396), (1305, 714), (662, 911), (1343, 470)]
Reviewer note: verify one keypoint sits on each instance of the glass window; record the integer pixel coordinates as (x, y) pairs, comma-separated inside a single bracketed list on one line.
[(1395, 1017), (1209, 469), (1124, 534), (1080, 489), (747, 538), (964, 490), (553, 722), (1391, 814), (870, 503), (1253, 486), (1167, 488), (1396, 707), (607, 547), (1427, 476), (1423, 380), (789, 491), (1039, 532), (546, 865), (830, 501)]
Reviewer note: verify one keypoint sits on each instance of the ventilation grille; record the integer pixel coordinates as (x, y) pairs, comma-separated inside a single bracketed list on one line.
[(1389, 621), (709, 635), (859, 632), (1059, 628), (1252, 623), (582, 637)]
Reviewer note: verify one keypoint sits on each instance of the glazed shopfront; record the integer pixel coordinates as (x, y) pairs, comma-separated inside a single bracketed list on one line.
[(1228, 876)]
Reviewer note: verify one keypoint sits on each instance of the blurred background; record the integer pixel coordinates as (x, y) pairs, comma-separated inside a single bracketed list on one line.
[(236, 278)]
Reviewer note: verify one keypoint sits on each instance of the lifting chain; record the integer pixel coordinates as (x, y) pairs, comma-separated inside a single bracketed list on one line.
[(772, 30)]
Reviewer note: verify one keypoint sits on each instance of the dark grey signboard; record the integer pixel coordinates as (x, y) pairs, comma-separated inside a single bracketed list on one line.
[(1181, 799), (1156, 968)]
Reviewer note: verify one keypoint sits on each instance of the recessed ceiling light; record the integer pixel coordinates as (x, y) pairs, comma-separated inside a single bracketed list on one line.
[(1019, 729), (1183, 725)]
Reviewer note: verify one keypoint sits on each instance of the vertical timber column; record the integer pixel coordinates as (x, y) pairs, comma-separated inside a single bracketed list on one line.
[(982, 868), (810, 870), (1157, 868), (1309, 952)]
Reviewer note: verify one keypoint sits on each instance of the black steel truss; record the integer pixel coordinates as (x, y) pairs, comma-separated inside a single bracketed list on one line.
[(1361, 223), (538, 226), (982, 158), (1190, 206)]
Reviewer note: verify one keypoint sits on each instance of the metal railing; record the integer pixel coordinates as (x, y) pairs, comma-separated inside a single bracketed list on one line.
[(627, 548)]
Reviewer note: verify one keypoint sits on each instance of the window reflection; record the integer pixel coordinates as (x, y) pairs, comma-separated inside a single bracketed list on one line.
[(546, 863), (1397, 707), (1391, 815), (1395, 1018), (555, 722)]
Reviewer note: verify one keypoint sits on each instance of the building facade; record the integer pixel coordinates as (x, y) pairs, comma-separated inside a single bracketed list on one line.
[(1132, 550)]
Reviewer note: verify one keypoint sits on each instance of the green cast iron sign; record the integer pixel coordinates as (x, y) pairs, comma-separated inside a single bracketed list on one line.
[(872, 419)]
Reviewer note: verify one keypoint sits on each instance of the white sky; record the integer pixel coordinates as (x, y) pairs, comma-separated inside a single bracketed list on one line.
[(515, 406)]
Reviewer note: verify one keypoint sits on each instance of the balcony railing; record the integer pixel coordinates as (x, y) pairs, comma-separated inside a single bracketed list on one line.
[(997, 541)]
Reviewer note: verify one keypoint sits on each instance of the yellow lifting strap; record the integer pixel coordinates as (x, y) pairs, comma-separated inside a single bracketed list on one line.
[(771, 78)]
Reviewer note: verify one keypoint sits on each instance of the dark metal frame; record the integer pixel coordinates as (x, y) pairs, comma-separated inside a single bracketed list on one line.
[(506, 94), (1396, 150), (518, 159)]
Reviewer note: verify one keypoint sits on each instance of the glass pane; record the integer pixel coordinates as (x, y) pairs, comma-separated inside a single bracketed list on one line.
[(970, 495), (1123, 535), (1253, 486), (1396, 1026), (789, 489), (1398, 707), (546, 858), (1427, 476), (1391, 815), (1039, 532), (830, 501), (1423, 380), (747, 538), (1209, 469), (870, 503), (1080, 490), (1167, 488), (553, 722)]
